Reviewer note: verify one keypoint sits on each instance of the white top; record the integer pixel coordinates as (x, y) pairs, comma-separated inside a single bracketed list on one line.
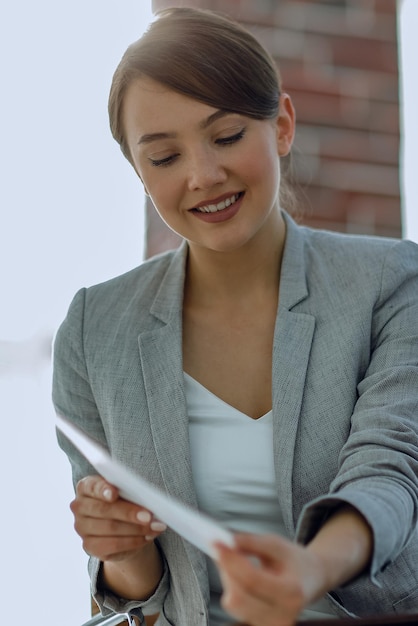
[(234, 477)]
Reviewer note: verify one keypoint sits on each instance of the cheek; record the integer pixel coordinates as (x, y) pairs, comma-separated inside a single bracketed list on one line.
[(164, 192), (250, 169), (263, 171)]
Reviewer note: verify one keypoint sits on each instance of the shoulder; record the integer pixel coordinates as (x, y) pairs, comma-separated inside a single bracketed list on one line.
[(144, 278), (141, 283), (344, 245), (343, 272), (359, 258), (127, 299)]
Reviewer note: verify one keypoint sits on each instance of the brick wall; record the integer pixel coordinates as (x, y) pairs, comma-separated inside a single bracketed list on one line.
[(339, 62)]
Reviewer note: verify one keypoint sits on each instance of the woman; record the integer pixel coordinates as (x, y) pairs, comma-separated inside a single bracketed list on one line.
[(264, 372)]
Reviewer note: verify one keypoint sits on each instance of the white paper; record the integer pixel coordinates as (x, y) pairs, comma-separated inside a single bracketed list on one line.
[(197, 528)]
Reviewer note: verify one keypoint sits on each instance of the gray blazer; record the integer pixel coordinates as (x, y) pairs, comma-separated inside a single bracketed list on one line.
[(345, 404)]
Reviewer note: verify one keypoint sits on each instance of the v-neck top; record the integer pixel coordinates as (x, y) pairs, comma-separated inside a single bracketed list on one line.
[(232, 462), (234, 476)]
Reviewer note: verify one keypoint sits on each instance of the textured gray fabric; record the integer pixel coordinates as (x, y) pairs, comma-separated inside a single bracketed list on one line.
[(345, 403)]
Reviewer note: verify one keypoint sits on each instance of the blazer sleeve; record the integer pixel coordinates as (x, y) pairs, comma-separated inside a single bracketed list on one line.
[(74, 399), (378, 466)]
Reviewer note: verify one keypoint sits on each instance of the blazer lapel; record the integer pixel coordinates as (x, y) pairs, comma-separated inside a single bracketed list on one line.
[(292, 344), (162, 365), (161, 359)]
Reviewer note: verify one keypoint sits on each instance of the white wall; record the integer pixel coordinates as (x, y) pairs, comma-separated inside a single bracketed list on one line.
[(71, 214)]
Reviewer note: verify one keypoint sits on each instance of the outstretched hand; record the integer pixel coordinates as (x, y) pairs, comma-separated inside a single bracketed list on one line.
[(267, 579)]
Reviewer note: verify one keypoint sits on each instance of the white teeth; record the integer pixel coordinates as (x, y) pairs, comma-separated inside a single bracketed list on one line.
[(212, 208)]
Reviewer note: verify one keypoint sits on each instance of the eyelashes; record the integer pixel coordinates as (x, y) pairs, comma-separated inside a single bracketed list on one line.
[(163, 162), (226, 141), (221, 141)]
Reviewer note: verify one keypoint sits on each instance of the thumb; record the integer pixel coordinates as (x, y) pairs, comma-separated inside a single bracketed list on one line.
[(268, 548)]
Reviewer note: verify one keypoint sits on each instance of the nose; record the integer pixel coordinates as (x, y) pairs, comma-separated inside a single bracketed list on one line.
[(205, 170)]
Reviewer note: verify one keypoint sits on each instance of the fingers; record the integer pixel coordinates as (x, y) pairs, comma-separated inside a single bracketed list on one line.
[(97, 487), (264, 590), (114, 548), (271, 549), (247, 574), (251, 611), (97, 498), (245, 596), (111, 528)]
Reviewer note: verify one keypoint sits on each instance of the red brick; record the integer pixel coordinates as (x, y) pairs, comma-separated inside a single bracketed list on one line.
[(353, 113), (300, 75), (346, 144), (367, 54)]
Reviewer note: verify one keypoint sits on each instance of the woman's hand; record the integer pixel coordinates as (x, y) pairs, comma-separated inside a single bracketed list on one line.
[(121, 535), (112, 529), (274, 587), (285, 577)]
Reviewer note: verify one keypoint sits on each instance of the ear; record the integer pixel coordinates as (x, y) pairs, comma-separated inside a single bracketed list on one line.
[(286, 122)]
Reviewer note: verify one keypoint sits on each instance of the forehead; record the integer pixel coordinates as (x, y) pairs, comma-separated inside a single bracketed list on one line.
[(149, 106)]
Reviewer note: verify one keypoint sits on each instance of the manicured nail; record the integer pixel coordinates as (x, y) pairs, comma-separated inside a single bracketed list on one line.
[(216, 552), (107, 494), (159, 527), (143, 516)]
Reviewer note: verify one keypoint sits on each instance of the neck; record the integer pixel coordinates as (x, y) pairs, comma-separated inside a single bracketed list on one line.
[(238, 275)]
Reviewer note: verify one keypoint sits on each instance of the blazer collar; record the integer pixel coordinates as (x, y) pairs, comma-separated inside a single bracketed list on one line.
[(293, 338), (162, 366), (169, 297), (293, 284)]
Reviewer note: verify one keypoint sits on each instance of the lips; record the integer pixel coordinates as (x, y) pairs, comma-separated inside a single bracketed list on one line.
[(214, 207), (220, 209)]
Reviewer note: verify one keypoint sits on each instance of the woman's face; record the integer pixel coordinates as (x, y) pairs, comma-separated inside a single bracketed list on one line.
[(213, 176)]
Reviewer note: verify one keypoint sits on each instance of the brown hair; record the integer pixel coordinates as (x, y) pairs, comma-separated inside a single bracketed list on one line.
[(207, 57)]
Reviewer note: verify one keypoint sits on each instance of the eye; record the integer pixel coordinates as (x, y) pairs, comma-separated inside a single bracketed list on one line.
[(163, 162), (226, 141)]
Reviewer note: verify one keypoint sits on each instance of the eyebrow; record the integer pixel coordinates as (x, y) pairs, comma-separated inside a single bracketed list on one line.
[(149, 137)]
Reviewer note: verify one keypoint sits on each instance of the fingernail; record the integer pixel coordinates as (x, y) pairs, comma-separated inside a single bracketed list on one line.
[(149, 537), (159, 527), (143, 516), (216, 553), (107, 494)]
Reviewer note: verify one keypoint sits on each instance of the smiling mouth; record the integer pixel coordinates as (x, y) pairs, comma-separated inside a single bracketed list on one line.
[(220, 206)]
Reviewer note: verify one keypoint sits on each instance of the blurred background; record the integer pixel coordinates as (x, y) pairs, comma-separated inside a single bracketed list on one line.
[(73, 212)]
